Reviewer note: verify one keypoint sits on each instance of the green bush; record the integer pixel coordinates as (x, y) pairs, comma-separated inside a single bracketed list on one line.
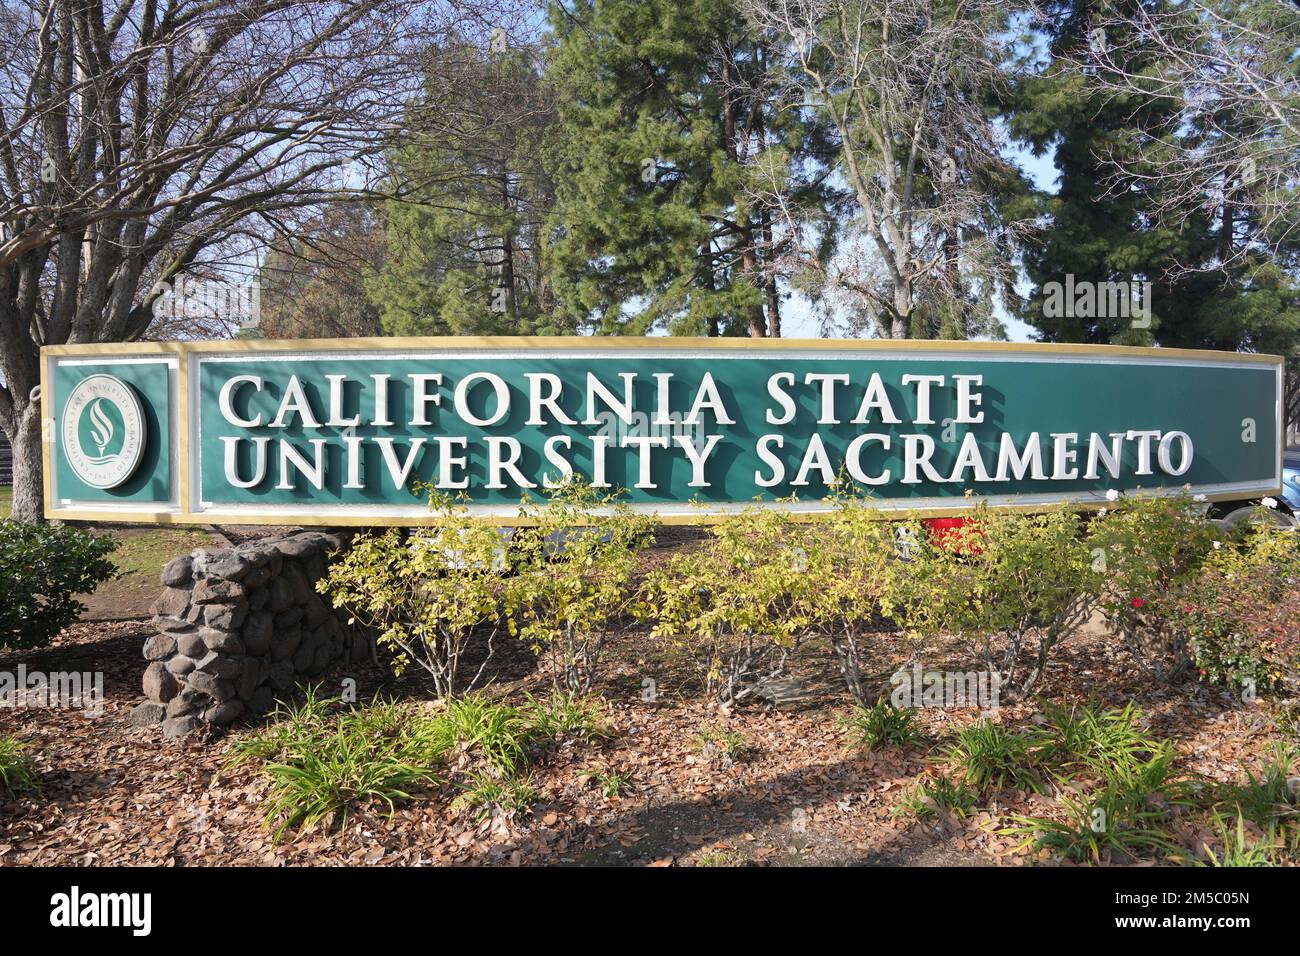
[(574, 582), (42, 570), (18, 773), (736, 605), (855, 583), (1147, 548), (1012, 585), (1240, 613), (428, 593)]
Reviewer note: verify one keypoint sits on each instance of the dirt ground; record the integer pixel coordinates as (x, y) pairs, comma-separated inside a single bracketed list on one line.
[(114, 794)]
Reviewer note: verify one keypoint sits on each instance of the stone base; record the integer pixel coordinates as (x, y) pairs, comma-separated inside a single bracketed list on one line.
[(237, 627)]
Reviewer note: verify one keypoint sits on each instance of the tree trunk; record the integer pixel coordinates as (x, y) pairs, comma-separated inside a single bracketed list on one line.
[(24, 434)]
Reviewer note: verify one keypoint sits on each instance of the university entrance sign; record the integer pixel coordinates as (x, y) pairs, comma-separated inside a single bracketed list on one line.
[(335, 432)]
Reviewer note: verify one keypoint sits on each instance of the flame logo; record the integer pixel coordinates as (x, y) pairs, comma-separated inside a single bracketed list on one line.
[(101, 430)]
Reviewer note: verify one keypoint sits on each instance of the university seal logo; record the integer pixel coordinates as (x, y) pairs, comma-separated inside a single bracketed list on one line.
[(103, 431)]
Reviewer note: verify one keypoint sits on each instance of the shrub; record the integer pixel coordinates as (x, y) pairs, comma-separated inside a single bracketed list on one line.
[(492, 734), (736, 605), (42, 570), (1012, 585), (576, 580), (1267, 799), (426, 594), (937, 793), (991, 756), (18, 773), (1114, 819), (1239, 615), (323, 767), (1147, 548), (566, 715), (1094, 739), (855, 583), (485, 794), (1236, 849), (882, 723)]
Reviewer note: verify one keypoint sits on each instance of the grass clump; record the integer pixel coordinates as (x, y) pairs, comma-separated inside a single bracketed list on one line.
[(18, 773), (882, 723)]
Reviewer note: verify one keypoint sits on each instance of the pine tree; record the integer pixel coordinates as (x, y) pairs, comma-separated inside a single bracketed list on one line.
[(664, 104), (1102, 224), (465, 241)]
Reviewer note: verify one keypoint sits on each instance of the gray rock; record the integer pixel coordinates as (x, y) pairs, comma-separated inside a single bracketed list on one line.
[(225, 712), (285, 643), (259, 599), (303, 656), (225, 617), (173, 602), (219, 665), (221, 641), (250, 675), (180, 665), (172, 625), (281, 595), (159, 685), (280, 676), (298, 583), (191, 645), (288, 618), (178, 572), (159, 647), (214, 687), (314, 568), (299, 546), (147, 714), (317, 611), (180, 705), (256, 578), (217, 591), (231, 566), (360, 647), (181, 726), (258, 632)]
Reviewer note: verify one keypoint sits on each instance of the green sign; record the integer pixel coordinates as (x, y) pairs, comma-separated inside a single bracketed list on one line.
[(335, 432)]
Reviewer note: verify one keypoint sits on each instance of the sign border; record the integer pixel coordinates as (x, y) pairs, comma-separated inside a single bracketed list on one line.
[(184, 510)]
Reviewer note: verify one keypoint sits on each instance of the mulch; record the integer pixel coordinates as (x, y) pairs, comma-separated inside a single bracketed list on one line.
[(115, 794)]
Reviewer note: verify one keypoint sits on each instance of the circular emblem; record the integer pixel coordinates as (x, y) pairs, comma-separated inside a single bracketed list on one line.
[(103, 431)]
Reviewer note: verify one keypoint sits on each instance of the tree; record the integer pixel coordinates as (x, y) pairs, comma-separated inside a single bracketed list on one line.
[(313, 285), (1107, 223), (662, 107), (143, 140), (466, 235), (1226, 73), (905, 86)]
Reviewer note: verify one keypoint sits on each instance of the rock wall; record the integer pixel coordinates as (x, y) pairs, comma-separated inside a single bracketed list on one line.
[(240, 626)]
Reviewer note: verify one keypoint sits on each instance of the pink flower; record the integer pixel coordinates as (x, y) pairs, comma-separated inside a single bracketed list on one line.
[(1138, 602)]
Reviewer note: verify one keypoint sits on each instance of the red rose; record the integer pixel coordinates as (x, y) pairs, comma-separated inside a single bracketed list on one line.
[(1138, 602)]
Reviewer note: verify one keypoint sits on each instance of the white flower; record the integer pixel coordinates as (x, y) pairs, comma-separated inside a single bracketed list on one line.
[(1269, 502), (1218, 545), (1112, 495), (1101, 512), (1199, 498)]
